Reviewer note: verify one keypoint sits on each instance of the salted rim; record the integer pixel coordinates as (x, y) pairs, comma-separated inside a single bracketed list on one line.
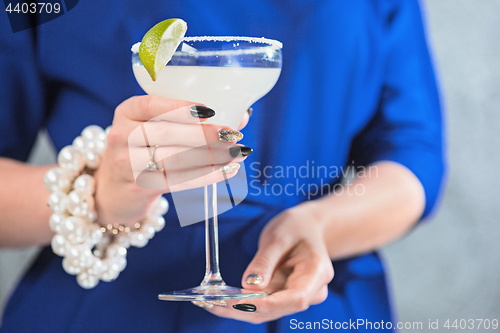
[(263, 40), (270, 42)]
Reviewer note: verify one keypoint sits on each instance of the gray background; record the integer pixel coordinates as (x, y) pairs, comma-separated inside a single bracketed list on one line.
[(449, 267)]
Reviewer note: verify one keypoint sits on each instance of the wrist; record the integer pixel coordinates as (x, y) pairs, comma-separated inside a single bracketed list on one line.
[(322, 217), (314, 212), (126, 206)]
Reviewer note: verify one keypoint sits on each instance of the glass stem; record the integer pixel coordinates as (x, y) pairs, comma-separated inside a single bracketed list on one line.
[(212, 273)]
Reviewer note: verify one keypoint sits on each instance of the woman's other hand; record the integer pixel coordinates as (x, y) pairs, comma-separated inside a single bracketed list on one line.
[(292, 265)]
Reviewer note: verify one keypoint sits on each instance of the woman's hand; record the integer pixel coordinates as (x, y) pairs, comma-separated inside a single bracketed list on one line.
[(292, 264), (188, 155)]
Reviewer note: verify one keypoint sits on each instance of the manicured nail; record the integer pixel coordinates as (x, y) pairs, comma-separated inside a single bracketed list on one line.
[(250, 111), (231, 167), (238, 151), (245, 307), (254, 278), (230, 135), (199, 111)]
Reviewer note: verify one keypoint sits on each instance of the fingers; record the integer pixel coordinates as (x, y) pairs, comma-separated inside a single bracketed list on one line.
[(300, 290), (298, 283), (175, 126), (303, 290), (320, 296), (260, 270), (180, 157), (165, 133), (253, 312), (181, 180), (140, 110), (156, 108)]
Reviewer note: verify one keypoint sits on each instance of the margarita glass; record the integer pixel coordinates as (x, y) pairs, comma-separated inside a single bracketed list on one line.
[(227, 74)]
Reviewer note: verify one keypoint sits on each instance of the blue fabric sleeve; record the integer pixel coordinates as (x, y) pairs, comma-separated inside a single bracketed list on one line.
[(22, 101), (407, 127)]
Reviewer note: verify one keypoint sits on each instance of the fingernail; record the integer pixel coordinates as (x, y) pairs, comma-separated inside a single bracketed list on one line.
[(199, 111), (245, 307), (231, 167), (230, 135), (250, 111), (237, 151), (254, 278)]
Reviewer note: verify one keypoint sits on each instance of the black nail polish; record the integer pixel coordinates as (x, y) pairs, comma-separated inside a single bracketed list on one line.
[(237, 151), (245, 307), (199, 111)]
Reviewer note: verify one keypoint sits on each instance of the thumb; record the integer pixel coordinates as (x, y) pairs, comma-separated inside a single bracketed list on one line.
[(260, 270)]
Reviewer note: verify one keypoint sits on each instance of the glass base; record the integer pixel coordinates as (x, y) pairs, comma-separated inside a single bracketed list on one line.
[(211, 293)]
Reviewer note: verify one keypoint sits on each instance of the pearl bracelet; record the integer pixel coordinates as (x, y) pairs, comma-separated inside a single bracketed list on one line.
[(90, 251)]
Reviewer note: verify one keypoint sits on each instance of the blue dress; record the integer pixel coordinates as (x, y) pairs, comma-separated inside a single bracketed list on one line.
[(357, 86)]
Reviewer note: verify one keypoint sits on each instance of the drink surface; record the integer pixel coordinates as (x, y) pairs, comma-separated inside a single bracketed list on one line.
[(230, 91)]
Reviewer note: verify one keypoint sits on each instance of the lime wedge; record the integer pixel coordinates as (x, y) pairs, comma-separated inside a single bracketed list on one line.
[(159, 44)]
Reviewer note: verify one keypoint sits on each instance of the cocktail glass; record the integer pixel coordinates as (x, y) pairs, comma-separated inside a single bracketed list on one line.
[(228, 74)]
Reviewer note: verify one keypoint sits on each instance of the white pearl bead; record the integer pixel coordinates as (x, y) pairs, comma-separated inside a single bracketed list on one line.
[(118, 263), (78, 142), (72, 174), (57, 180), (59, 245), (57, 202), (92, 158), (110, 272), (75, 229), (79, 203), (100, 146), (116, 251), (95, 235), (85, 183), (69, 267), (137, 239), (70, 158), (159, 207), (97, 267), (89, 145), (92, 216), (115, 264), (92, 132), (148, 231), (56, 221), (158, 223), (123, 240), (87, 280), (79, 255), (103, 136), (95, 251)]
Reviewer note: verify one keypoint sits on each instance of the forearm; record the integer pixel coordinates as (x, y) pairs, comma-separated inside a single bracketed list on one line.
[(23, 205), (387, 204)]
